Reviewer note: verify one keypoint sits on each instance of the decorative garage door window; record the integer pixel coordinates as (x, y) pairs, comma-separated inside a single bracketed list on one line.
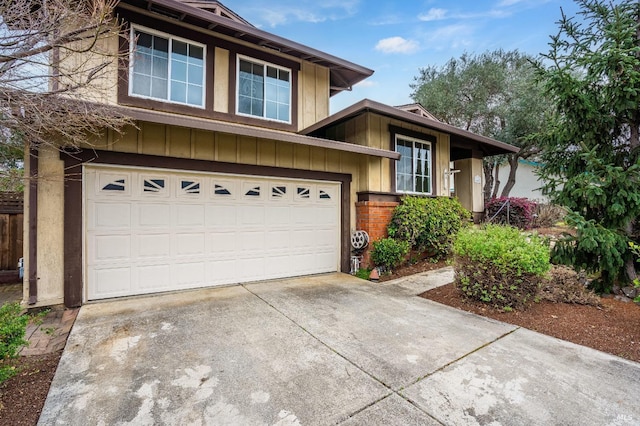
[(155, 186), (190, 186), (153, 231), (221, 190), (279, 191), (303, 193)]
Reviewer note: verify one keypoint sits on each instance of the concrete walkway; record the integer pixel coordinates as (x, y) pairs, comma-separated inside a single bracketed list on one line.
[(328, 349)]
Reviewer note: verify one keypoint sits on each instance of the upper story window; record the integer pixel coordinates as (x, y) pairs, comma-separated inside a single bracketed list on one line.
[(264, 90), (413, 169), (166, 68)]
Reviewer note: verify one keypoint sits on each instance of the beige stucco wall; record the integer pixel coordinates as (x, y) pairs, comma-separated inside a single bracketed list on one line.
[(50, 224), (163, 140)]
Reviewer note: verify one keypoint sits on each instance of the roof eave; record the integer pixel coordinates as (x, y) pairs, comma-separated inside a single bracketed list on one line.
[(343, 74), (492, 146), (251, 131)]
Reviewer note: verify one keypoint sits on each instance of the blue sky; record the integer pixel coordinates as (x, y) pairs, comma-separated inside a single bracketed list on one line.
[(396, 38)]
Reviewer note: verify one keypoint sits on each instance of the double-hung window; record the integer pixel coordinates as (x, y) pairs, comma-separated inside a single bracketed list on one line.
[(166, 68), (264, 90), (413, 169)]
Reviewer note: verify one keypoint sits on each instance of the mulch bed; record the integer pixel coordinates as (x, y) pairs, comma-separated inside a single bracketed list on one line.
[(22, 396), (613, 327)]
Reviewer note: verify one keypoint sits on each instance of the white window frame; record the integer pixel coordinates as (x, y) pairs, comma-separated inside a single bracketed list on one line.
[(429, 144), (264, 106), (170, 37)]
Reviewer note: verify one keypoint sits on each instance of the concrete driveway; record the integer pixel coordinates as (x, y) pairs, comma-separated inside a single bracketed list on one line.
[(328, 349)]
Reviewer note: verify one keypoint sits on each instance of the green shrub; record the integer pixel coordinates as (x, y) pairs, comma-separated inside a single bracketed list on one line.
[(518, 212), (500, 266), (429, 225), (12, 331), (389, 253)]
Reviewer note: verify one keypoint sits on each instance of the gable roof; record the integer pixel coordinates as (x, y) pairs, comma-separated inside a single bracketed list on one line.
[(459, 137), (215, 17)]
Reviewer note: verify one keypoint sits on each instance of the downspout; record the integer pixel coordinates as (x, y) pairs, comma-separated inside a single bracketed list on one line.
[(33, 226)]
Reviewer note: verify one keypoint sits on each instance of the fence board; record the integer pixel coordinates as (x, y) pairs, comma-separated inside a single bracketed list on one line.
[(11, 223)]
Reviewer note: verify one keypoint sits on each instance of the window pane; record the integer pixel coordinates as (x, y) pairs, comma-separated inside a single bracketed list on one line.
[(272, 72), (159, 88), (403, 182), (271, 92), (144, 41), (283, 95), (160, 67), (142, 63), (178, 71), (160, 46), (284, 75), (179, 50), (272, 110), (196, 52), (194, 95), (283, 112), (244, 104), (178, 92), (245, 67), (195, 75), (141, 85), (256, 107)]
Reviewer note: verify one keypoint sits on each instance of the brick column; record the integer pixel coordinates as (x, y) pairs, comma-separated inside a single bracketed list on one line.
[(373, 217)]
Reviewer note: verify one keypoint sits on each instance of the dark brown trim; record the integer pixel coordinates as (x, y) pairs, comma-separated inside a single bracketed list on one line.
[(399, 131), (33, 226), (233, 75), (343, 74), (73, 220), (73, 200), (211, 42)]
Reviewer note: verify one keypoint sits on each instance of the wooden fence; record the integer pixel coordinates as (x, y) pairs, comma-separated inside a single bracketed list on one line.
[(11, 223)]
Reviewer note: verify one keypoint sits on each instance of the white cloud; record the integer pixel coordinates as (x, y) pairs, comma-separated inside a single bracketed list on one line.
[(434, 14), (397, 45), (288, 11), (367, 83)]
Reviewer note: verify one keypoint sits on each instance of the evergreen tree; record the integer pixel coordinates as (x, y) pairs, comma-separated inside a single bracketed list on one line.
[(592, 145)]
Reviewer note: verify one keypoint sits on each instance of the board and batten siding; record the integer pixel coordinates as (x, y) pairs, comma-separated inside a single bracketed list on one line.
[(168, 141), (373, 130)]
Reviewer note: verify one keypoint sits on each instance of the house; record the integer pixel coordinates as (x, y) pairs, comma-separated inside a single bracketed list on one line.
[(235, 171), (528, 183)]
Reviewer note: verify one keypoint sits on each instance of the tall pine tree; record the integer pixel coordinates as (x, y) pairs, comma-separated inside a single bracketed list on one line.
[(592, 146)]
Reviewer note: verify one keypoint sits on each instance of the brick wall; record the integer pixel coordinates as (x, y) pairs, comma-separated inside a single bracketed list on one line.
[(373, 217)]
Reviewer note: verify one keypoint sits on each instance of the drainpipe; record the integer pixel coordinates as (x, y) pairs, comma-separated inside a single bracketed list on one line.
[(33, 226)]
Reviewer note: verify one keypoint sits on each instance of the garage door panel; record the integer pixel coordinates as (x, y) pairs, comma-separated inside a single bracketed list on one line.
[(221, 216), (190, 215), (154, 277), (150, 231), (154, 215), (112, 247), (111, 282), (190, 244), (189, 274), (251, 215), (112, 215), (154, 245), (223, 243)]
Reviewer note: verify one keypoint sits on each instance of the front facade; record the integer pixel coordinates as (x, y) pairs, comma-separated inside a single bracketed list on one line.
[(234, 171)]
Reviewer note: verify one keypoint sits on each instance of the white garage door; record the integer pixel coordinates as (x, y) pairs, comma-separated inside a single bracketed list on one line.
[(150, 230)]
